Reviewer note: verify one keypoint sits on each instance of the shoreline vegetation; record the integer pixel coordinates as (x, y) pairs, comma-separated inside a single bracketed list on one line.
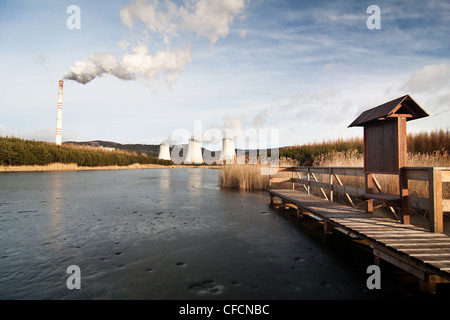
[(75, 167), (425, 149), (28, 155)]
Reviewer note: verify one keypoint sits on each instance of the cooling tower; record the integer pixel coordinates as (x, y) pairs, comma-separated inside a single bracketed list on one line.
[(228, 153), (164, 152), (194, 153), (59, 115)]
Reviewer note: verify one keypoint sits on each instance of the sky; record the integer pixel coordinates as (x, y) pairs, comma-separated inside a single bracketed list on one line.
[(142, 71)]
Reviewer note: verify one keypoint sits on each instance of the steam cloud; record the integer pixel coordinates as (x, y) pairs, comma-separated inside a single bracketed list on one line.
[(205, 18), (132, 66)]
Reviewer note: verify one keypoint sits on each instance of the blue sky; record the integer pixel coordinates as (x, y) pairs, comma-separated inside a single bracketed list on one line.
[(304, 68)]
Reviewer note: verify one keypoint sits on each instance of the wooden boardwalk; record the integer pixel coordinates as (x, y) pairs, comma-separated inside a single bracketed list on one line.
[(418, 251)]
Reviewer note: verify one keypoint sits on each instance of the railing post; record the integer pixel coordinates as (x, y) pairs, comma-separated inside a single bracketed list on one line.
[(404, 210), (292, 177), (368, 185), (307, 178), (435, 198), (270, 177), (330, 172)]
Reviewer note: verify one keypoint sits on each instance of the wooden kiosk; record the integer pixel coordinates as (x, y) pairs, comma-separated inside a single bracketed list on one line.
[(385, 148)]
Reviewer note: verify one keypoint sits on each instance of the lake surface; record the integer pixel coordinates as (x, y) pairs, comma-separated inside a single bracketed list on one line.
[(164, 234)]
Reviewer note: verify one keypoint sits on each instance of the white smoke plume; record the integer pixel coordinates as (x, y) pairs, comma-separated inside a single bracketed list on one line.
[(206, 18), (137, 65)]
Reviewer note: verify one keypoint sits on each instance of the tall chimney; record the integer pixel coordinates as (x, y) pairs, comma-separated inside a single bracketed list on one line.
[(59, 115)]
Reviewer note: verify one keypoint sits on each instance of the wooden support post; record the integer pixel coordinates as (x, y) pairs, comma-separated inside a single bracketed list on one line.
[(326, 227), (377, 260), (292, 177), (346, 194), (404, 210), (428, 285), (331, 183), (435, 198), (270, 177), (378, 186), (321, 190), (299, 214), (369, 189), (307, 178)]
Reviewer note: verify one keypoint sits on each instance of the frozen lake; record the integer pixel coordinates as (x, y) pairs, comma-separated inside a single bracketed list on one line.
[(162, 234)]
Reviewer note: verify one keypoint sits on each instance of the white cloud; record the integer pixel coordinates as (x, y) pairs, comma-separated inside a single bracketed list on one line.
[(431, 77), (210, 19)]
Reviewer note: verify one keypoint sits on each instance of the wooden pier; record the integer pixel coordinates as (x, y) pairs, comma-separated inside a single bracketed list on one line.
[(424, 253)]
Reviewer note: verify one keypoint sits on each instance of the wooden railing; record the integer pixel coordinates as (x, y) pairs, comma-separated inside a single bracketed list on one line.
[(434, 204)]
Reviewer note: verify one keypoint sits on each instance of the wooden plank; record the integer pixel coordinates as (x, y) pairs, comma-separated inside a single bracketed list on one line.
[(402, 264), (279, 180), (406, 246), (353, 191), (418, 202), (349, 171), (444, 243), (446, 205), (299, 180), (427, 251), (320, 170), (445, 175), (318, 184), (410, 237), (417, 174), (398, 243)]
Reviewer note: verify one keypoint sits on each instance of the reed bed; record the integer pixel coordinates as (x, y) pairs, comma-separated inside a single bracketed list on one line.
[(243, 177), (248, 177), (389, 183)]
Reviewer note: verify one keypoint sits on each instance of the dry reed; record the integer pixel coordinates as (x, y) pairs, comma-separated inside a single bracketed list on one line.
[(243, 177), (389, 183), (75, 167)]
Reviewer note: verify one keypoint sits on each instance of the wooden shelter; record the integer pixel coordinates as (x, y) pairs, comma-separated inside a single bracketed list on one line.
[(385, 146)]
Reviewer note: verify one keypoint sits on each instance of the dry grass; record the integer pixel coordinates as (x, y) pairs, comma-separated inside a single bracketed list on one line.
[(389, 183), (243, 177), (248, 176), (75, 167)]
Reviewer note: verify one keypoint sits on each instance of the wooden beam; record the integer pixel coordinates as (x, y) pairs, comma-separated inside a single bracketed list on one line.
[(445, 175), (321, 185), (378, 186), (418, 202), (435, 198), (417, 174), (346, 194), (369, 189), (404, 207)]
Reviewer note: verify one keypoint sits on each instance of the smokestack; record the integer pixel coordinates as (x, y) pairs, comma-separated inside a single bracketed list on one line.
[(59, 115), (164, 152)]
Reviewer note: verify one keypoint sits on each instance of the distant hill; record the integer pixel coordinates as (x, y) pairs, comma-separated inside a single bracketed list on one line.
[(151, 150)]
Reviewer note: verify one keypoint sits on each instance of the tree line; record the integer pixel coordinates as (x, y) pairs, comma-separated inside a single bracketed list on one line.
[(15, 152)]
